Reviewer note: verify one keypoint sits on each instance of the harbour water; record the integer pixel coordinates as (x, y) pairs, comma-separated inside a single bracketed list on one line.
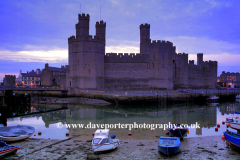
[(49, 123)]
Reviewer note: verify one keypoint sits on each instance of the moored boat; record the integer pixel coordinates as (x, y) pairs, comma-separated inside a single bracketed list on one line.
[(232, 138), (169, 145), (238, 96), (235, 124), (16, 133), (178, 130), (103, 142), (212, 99), (6, 149)]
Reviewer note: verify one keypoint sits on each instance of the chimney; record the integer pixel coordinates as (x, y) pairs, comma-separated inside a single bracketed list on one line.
[(46, 65)]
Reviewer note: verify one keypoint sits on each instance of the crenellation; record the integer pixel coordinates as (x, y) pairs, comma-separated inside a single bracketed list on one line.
[(101, 23), (82, 16), (146, 25), (191, 62), (125, 58)]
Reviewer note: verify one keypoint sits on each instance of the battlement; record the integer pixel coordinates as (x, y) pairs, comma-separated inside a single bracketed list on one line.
[(214, 62), (162, 42), (182, 54), (191, 62), (145, 25), (200, 54), (126, 58), (10, 76), (101, 23), (83, 16), (71, 39), (87, 38)]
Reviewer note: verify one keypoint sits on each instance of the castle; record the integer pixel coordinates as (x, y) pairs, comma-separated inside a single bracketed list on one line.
[(157, 66)]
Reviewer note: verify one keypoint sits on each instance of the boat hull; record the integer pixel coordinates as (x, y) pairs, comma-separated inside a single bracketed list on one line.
[(13, 139), (7, 152), (16, 133), (168, 150), (232, 138), (104, 147), (169, 145), (235, 126), (212, 100), (178, 132)]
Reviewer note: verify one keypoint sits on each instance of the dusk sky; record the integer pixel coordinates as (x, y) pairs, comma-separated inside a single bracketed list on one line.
[(35, 32)]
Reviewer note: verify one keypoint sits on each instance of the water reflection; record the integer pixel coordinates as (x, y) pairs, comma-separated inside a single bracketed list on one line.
[(207, 116)]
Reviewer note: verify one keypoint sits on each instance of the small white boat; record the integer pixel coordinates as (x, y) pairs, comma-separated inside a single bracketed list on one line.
[(103, 142), (238, 96), (16, 133), (212, 99), (234, 123)]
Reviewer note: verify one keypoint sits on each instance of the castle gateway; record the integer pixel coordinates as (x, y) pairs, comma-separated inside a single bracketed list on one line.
[(157, 66)]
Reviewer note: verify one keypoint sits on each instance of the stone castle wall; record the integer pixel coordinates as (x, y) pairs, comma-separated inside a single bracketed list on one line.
[(180, 70), (9, 81), (157, 66)]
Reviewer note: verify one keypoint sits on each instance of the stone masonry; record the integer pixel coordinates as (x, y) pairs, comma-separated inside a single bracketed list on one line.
[(157, 66)]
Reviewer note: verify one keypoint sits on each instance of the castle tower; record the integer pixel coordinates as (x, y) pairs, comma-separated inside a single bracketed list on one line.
[(101, 30), (199, 58), (82, 27), (86, 56), (144, 38)]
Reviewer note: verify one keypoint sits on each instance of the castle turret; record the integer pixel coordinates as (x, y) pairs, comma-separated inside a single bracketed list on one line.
[(101, 30), (144, 38), (86, 56), (199, 58), (82, 27)]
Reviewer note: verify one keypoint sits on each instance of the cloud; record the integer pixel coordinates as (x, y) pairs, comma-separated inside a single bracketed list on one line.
[(50, 56), (119, 46), (204, 45), (122, 49)]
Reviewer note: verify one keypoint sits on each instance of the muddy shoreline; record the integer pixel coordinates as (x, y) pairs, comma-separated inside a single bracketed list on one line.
[(211, 147)]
